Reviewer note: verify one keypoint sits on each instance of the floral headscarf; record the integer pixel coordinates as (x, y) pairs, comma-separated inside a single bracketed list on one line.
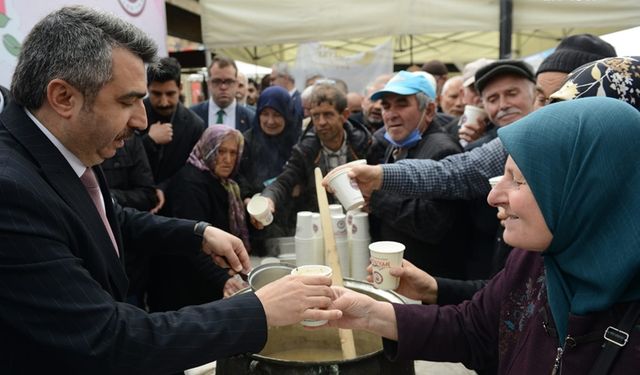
[(203, 157), (580, 159), (616, 77)]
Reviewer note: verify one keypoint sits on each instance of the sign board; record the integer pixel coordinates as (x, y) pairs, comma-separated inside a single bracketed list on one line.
[(17, 17)]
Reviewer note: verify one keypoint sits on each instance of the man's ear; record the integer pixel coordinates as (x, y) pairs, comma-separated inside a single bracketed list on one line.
[(430, 111), (63, 98), (345, 114)]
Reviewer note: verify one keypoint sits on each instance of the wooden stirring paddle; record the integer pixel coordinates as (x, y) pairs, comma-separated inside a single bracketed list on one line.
[(332, 260)]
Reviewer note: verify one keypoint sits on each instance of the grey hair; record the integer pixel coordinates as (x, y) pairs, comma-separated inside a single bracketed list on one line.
[(423, 100), (74, 44), (283, 69), (328, 93)]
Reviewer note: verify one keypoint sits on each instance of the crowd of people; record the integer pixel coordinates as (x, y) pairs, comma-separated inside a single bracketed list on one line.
[(125, 230)]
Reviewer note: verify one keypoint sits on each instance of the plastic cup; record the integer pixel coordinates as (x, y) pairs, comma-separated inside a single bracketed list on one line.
[(258, 208), (345, 189), (313, 270), (384, 255)]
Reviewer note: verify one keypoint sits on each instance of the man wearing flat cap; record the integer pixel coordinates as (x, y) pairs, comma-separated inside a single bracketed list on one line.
[(427, 228), (508, 92)]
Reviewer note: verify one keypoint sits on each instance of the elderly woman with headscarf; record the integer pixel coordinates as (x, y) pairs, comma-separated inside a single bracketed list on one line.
[(570, 193), (202, 190), (268, 146)]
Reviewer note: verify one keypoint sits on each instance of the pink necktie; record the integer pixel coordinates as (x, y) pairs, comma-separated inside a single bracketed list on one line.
[(90, 182)]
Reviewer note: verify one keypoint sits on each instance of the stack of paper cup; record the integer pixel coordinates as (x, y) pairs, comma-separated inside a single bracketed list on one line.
[(339, 224), (335, 209), (350, 215), (359, 245), (304, 239), (318, 238)]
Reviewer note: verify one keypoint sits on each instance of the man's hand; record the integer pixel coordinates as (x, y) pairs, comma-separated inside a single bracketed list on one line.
[(414, 282), (368, 178), (226, 250), (472, 130), (256, 224), (233, 285), (292, 299), (161, 133), (161, 200)]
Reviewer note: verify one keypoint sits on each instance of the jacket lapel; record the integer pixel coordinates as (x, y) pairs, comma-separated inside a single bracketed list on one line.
[(56, 170)]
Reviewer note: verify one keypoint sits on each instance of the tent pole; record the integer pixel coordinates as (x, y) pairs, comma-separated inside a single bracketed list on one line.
[(506, 27)]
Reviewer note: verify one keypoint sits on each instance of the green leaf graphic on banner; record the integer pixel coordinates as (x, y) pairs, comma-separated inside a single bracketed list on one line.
[(11, 44), (4, 20)]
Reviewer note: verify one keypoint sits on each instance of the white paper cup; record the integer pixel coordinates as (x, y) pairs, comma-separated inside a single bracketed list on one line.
[(258, 208), (304, 224), (360, 226), (346, 190), (384, 255), (305, 251), (316, 222), (359, 258), (312, 270), (493, 181), (335, 209), (472, 114)]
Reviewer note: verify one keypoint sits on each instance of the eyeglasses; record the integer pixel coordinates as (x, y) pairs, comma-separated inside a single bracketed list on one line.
[(220, 82)]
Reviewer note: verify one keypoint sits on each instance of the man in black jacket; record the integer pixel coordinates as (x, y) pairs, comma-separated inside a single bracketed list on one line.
[(332, 141), (173, 129), (428, 228)]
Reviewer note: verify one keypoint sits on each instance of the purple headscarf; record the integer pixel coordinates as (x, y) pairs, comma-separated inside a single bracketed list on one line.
[(203, 157)]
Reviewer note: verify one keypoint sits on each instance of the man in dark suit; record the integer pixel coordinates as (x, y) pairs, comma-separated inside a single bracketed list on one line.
[(222, 107), (63, 240), (281, 76)]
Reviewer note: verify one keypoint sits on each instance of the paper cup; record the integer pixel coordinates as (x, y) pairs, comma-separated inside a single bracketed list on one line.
[(472, 114), (258, 208), (384, 255), (359, 258), (304, 224), (346, 190), (335, 209), (312, 270), (493, 181), (360, 226)]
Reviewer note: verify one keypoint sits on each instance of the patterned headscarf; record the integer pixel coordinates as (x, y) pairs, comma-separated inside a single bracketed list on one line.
[(203, 157), (616, 77), (580, 159)]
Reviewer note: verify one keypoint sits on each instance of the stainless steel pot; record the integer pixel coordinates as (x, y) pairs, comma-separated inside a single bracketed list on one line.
[(295, 350)]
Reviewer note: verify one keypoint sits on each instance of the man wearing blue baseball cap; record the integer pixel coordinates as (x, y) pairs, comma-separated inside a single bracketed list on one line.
[(426, 227)]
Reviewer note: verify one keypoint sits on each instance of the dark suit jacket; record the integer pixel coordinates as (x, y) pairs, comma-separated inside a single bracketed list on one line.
[(244, 116), (6, 95), (61, 280)]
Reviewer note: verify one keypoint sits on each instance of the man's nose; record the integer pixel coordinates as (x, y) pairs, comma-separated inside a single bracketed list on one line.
[(138, 119)]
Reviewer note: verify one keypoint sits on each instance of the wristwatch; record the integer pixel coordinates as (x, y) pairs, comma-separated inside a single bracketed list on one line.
[(199, 228)]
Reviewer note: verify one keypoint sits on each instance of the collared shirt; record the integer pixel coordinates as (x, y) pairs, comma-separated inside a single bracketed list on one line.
[(78, 167), (459, 176), (1, 102), (229, 113), (338, 157)]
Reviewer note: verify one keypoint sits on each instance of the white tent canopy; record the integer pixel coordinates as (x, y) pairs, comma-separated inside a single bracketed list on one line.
[(452, 31)]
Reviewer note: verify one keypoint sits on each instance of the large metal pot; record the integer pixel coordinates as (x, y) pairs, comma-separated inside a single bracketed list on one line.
[(295, 350)]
